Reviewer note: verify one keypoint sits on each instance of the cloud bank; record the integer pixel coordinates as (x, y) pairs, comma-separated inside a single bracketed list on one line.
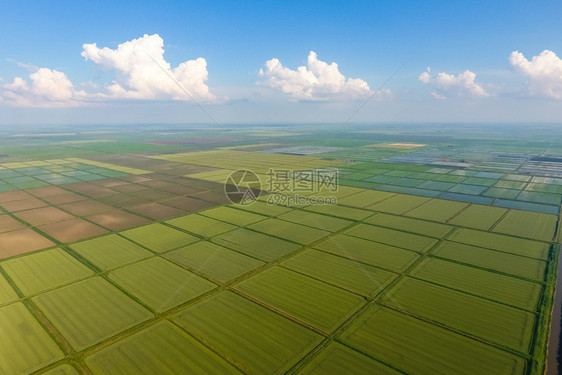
[(449, 85), (316, 81), (543, 73), (143, 73), (47, 88)]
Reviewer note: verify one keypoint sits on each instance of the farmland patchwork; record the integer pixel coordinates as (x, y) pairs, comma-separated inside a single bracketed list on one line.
[(125, 256)]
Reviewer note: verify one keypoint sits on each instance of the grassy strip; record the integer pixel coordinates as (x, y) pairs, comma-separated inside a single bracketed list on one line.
[(546, 305)]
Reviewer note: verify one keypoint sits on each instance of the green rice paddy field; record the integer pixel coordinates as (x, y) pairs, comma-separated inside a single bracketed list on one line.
[(116, 258)]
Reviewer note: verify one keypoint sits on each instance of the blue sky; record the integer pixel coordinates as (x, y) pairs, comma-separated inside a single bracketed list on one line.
[(368, 40)]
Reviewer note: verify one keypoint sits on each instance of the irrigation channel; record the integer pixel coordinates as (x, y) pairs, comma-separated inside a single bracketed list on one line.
[(554, 347)]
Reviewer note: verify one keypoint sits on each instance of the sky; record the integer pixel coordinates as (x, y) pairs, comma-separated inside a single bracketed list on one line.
[(108, 62)]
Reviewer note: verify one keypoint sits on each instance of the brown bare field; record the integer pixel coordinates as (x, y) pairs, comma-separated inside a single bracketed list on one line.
[(155, 195), (8, 224), (122, 200), (25, 204), (46, 191), (118, 220), (44, 215), (22, 241), (157, 211), (129, 188), (66, 197), (72, 230), (157, 184), (90, 190), (17, 195), (180, 189), (86, 208)]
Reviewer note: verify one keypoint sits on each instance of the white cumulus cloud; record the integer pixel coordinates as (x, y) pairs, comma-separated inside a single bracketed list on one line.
[(447, 85), (543, 73), (47, 88), (316, 81), (143, 73)]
